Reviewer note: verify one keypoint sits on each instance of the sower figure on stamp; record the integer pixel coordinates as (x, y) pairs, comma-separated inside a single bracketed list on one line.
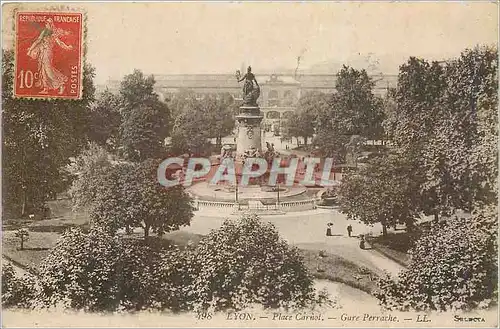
[(42, 50)]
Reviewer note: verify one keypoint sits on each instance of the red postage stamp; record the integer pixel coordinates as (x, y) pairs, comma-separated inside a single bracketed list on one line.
[(49, 55)]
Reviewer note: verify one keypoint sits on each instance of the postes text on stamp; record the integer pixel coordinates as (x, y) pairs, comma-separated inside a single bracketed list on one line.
[(49, 53)]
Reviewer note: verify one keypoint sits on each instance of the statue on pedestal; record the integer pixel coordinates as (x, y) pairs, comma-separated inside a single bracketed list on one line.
[(251, 89)]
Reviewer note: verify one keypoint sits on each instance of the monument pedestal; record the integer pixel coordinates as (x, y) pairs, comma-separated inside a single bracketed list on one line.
[(249, 131)]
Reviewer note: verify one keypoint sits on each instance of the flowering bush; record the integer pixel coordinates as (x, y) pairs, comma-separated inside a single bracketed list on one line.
[(246, 262), (453, 266)]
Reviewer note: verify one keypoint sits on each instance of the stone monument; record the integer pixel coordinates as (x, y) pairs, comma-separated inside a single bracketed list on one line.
[(248, 142)]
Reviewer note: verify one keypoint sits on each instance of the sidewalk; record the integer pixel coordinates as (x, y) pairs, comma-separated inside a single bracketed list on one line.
[(307, 229)]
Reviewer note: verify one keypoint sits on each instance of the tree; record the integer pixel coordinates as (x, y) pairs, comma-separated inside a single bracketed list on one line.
[(106, 120), (23, 235), (153, 276), (245, 262), (302, 122), (354, 104), (374, 128), (445, 121), (417, 97), (197, 120), (87, 168), (179, 100), (145, 119), (353, 149), (442, 102), (299, 124), (381, 192), (188, 137), (39, 137), (332, 144), (352, 110), (419, 102), (453, 266), (129, 195), (471, 102), (220, 111)]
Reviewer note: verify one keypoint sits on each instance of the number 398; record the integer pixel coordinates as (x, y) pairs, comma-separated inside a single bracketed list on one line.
[(27, 78), (204, 316)]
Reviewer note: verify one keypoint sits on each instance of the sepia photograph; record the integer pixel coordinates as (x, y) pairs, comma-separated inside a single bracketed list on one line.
[(249, 164)]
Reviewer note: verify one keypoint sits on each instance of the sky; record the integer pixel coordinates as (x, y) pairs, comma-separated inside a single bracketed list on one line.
[(201, 37)]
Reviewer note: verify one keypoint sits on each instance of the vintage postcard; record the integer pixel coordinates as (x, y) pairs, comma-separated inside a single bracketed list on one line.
[(250, 164)]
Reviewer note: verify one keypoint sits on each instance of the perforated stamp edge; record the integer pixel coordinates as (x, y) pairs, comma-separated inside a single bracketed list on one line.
[(61, 9)]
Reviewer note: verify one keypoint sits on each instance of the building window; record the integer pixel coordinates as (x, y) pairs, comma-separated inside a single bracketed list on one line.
[(272, 98), (273, 115), (287, 115), (289, 98)]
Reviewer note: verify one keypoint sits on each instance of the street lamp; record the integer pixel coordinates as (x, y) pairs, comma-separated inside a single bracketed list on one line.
[(278, 193), (236, 187), (236, 191)]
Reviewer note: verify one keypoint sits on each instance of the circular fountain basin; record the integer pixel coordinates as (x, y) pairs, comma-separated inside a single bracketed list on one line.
[(206, 191)]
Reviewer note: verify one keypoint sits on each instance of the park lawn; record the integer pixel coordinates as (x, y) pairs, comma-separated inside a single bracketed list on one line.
[(183, 238), (332, 267), (44, 234), (61, 218), (61, 212), (338, 269), (399, 257), (36, 248), (395, 246)]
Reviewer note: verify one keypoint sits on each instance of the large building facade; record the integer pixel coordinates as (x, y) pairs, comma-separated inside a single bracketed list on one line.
[(279, 92)]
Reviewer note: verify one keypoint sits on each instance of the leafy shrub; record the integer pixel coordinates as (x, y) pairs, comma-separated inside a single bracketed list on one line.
[(153, 278), (246, 262), (16, 291), (101, 272), (81, 271), (452, 266), (175, 274)]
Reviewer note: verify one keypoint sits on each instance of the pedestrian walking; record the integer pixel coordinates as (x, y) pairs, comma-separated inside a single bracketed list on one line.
[(349, 230), (329, 229), (362, 242)]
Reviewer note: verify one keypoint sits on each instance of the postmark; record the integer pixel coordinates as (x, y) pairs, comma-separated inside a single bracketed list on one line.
[(48, 55)]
